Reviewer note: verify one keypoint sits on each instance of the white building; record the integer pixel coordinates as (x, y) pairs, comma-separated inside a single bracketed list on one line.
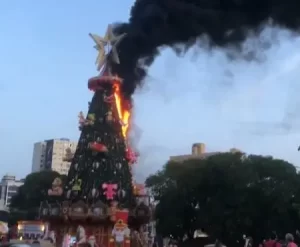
[(54, 154), (8, 188), (38, 157)]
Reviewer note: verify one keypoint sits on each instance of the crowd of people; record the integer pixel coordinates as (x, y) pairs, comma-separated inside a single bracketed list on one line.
[(273, 241)]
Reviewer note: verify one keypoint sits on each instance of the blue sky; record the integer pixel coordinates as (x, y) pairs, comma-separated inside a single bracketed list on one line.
[(46, 58)]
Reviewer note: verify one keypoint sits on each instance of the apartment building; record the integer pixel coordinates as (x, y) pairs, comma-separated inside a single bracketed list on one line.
[(198, 152), (9, 186), (54, 154)]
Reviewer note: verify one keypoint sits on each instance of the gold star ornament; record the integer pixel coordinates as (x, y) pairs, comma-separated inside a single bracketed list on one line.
[(107, 45)]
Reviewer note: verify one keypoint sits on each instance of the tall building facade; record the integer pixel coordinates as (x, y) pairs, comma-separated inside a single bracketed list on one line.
[(54, 154), (9, 186), (38, 157)]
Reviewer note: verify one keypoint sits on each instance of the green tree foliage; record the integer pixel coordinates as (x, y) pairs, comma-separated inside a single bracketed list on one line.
[(26, 202), (228, 195)]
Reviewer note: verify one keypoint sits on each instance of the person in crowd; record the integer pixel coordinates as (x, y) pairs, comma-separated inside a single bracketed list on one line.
[(289, 239), (272, 241)]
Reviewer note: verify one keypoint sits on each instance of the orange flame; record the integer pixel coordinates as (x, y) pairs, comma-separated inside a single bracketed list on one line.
[(123, 113)]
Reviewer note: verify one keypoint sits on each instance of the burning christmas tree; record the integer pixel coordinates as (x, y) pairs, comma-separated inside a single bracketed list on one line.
[(100, 187), (101, 166)]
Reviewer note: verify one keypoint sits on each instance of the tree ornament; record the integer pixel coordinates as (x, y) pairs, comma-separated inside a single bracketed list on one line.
[(121, 193), (90, 119), (101, 43), (119, 165), (94, 192), (98, 147), (109, 190), (56, 189), (109, 116), (96, 164), (121, 232), (131, 156), (81, 119), (77, 185), (68, 195)]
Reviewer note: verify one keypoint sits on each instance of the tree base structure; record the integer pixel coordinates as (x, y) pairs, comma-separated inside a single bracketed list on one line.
[(95, 225), (101, 233), (97, 235)]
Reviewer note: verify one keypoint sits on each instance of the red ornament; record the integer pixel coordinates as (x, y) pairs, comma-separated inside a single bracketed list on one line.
[(131, 156), (97, 147), (109, 190)]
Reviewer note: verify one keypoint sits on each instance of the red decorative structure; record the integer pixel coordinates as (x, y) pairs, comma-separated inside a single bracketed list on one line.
[(96, 83)]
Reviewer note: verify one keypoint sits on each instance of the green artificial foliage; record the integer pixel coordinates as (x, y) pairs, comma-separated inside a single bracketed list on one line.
[(90, 170)]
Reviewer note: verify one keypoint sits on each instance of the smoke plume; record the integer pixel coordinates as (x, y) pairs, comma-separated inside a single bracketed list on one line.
[(178, 24), (252, 106)]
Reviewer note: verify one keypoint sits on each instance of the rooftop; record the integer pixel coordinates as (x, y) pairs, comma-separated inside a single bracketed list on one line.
[(198, 152)]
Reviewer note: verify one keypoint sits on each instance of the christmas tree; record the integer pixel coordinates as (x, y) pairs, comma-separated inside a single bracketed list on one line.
[(99, 191), (101, 166)]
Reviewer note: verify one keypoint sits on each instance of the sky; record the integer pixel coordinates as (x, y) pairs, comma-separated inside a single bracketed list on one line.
[(47, 57)]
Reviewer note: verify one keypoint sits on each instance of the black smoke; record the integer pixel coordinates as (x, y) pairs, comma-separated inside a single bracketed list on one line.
[(178, 23)]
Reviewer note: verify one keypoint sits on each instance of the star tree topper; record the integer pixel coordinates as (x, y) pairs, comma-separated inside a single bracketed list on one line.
[(110, 40)]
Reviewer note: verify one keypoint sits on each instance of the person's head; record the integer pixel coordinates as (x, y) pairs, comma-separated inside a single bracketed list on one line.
[(289, 237)]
